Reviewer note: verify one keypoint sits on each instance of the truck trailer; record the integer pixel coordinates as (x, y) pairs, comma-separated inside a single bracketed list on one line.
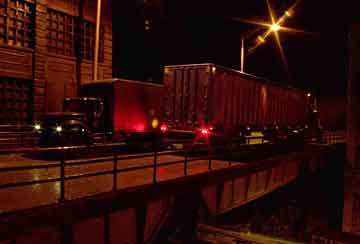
[(202, 97)]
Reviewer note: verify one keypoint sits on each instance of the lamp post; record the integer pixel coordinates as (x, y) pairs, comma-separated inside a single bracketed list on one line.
[(97, 37), (242, 51), (274, 27), (260, 40)]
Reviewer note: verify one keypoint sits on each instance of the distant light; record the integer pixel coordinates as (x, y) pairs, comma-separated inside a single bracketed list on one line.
[(58, 128), (275, 27), (308, 95), (213, 69), (37, 127), (155, 123), (289, 13), (164, 128), (261, 39), (204, 131)]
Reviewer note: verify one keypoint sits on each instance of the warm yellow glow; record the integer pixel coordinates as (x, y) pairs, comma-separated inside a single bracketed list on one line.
[(260, 39), (37, 127), (309, 94), (58, 128), (275, 27), (213, 69), (289, 13), (256, 137), (155, 123)]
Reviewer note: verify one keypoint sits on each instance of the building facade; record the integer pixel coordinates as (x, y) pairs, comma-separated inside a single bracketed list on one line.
[(46, 51)]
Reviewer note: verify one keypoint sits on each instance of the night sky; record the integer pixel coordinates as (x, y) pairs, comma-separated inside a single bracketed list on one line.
[(197, 31)]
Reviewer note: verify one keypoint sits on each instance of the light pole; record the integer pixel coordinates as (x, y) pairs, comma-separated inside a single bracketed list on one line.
[(97, 37), (274, 27)]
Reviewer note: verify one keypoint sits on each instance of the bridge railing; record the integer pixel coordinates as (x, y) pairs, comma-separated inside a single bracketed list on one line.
[(187, 157), (206, 154)]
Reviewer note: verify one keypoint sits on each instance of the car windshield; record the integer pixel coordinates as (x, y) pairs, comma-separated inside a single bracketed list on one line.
[(83, 105)]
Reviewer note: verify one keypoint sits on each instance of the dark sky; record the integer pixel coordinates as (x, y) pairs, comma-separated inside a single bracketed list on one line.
[(196, 31)]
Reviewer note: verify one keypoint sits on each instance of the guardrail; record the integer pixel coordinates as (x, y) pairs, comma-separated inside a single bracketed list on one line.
[(201, 154), (207, 154)]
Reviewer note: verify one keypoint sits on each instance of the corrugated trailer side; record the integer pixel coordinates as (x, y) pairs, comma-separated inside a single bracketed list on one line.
[(216, 94), (186, 88)]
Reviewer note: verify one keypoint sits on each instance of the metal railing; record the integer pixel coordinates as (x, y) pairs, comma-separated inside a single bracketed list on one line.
[(207, 154), (62, 163)]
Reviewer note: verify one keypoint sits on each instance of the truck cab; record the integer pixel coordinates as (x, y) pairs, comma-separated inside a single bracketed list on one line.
[(76, 125)]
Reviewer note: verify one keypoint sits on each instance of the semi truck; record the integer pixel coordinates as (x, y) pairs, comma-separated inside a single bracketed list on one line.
[(110, 110)]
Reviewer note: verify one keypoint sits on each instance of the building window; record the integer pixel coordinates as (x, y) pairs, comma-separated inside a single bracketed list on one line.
[(17, 18), (63, 34), (15, 101), (60, 33), (87, 40)]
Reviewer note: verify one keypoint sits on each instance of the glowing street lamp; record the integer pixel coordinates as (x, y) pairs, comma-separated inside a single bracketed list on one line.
[(275, 27), (261, 39)]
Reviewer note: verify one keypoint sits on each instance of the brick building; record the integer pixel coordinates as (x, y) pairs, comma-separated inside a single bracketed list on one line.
[(46, 51)]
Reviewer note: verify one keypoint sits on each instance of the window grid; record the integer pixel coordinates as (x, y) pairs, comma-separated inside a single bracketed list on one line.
[(63, 34), (17, 22), (87, 44), (15, 100), (60, 33)]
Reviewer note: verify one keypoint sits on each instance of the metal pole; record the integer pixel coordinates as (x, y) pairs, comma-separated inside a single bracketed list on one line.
[(155, 165), (185, 164), (115, 173), (62, 177), (242, 55), (97, 35)]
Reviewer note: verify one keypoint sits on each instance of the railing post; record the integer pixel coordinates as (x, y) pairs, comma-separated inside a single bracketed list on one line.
[(115, 172), (155, 164), (209, 157), (231, 154), (62, 177), (185, 164)]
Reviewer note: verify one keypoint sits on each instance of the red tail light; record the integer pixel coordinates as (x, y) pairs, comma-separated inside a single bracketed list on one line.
[(204, 131), (140, 127), (164, 128)]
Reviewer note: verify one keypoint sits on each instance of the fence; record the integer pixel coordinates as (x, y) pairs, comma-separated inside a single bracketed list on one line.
[(187, 157)]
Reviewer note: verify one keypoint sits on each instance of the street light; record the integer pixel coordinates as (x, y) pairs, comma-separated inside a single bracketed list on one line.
[(274, 27), (260, 40)]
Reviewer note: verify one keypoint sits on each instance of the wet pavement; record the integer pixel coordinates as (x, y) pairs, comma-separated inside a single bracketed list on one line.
[(24, 197)]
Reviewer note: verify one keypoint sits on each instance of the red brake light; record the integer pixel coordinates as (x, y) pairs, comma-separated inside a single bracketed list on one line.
[(204, 131), (164, 128), (140, 127)]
